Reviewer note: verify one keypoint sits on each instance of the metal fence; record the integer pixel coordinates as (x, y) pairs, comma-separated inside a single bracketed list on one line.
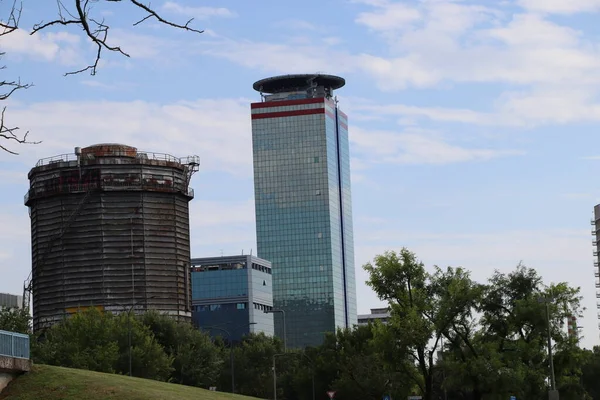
[(14, 345)]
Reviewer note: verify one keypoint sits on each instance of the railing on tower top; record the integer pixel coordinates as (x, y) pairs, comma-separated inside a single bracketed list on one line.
[(140, 157)]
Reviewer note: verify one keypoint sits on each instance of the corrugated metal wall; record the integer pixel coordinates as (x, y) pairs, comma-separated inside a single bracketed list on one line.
[(115, 240)]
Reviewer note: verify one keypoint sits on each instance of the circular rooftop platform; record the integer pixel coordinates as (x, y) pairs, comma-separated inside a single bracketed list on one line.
[(110, 150), (288, 83)]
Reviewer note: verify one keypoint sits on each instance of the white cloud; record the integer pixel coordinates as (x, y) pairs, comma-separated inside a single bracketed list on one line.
[(297, 24), (560, 6), (280, 58), (543, 105), (53, 46), (390, 17), (460, 42), (416, 147), (226, 213), (201, 13), (141, 46), (217, 130), (446, 41)]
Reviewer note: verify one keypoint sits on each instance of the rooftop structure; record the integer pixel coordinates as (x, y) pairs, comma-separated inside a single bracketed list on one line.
[(377, 314), (300, 86)]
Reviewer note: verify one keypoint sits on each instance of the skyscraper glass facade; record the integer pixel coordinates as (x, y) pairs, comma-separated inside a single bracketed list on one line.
[(304, 213)]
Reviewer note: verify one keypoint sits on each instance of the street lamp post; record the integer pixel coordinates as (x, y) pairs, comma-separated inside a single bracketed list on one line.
[(275, 373), (312, 364), (275, 310), (554, 393), (129, 309), (231, 358)]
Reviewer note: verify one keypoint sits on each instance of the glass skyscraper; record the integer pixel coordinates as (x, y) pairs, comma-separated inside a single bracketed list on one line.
[(303, 204)]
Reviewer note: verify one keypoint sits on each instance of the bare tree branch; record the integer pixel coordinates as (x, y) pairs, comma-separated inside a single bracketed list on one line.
[(152, 13), (10, 134), (12, 22), (97, 30), (8, 87)]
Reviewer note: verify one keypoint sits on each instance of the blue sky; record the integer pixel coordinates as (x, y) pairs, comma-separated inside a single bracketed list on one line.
[(473, 125)]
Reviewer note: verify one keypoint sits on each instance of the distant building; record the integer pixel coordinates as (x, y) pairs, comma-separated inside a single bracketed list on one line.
[(596, 243), (10, 301), (377, 314), (231, 293)]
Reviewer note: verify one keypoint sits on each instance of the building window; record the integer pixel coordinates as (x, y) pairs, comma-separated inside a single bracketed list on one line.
[(241, 306)]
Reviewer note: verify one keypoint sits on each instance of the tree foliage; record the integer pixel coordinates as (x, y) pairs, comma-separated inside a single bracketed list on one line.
[(15, 320), (99, 341), (366, 365), (253, 361), (495, 334), (196, 360), (425, 307)]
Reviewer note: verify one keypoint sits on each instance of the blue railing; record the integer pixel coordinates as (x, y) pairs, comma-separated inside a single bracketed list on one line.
[(14, 345)]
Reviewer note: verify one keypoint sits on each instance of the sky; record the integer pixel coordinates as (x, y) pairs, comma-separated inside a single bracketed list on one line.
[(473, 124)]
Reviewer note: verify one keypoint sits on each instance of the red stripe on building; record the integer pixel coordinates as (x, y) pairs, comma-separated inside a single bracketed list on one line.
[(289, 113), (343, 125), (329, 113), (343, 115), (283, 103)]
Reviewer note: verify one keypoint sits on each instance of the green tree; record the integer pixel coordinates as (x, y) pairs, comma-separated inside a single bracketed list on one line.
[(505, 353), (253, 366), (149, 359), (196, 360), (590, 372), (366, 364), (85, 340), (15, 320), (99, 341), (424, 308)]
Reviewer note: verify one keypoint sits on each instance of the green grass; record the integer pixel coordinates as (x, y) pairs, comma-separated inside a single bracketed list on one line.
[(45, 382)]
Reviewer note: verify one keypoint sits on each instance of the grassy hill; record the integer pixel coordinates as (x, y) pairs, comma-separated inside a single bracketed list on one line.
[(54, 383)]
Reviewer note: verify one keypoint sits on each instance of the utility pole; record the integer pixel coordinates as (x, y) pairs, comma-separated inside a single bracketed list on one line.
[(552, 393), (231, 356), (553, 378), (274, 379)]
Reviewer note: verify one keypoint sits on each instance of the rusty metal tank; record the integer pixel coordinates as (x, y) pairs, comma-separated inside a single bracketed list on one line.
[(110, 229)]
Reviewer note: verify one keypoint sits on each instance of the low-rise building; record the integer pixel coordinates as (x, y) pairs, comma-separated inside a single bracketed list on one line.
[(377, 314), (10, 301), (230, 295)]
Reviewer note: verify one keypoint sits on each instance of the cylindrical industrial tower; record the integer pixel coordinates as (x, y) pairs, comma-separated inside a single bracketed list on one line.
[(110, 229)]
